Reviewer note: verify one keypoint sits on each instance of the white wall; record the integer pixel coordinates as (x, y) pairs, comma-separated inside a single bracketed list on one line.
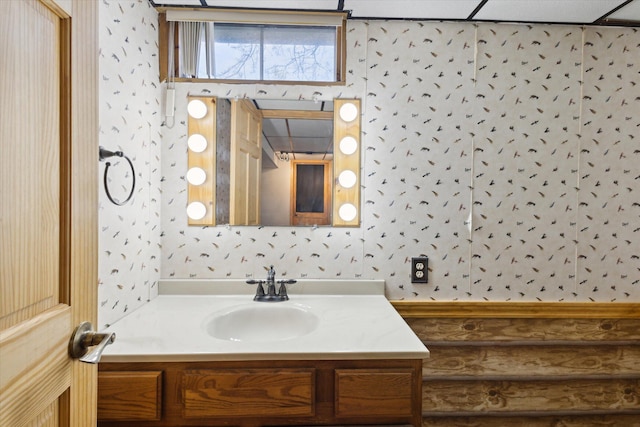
[(275, 193)]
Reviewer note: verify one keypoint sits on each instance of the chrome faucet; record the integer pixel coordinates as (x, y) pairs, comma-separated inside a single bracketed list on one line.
[(271, 295), (271, 282)]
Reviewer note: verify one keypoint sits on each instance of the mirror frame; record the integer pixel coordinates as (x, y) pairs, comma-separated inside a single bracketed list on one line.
[(346, 124)]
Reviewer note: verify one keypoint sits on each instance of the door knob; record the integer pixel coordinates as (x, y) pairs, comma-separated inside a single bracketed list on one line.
[(84, 337)]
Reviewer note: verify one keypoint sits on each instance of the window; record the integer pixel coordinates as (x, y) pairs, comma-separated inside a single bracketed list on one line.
[(291, 48)]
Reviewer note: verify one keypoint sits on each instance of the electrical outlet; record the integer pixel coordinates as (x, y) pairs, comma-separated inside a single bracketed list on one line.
[(419, 269)]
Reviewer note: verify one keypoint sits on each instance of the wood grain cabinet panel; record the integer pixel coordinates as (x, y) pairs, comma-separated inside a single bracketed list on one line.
[(285, 393), (139, 399), (373, 392), (253, 392)]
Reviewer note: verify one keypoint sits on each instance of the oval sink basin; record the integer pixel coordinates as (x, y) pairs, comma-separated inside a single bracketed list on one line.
[(262, 322)]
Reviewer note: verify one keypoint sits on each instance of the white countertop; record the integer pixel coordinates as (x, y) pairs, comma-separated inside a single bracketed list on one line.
[(360, 323)]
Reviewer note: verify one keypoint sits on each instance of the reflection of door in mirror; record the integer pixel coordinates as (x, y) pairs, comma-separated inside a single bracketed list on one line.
[(246, 163), (311, 192)]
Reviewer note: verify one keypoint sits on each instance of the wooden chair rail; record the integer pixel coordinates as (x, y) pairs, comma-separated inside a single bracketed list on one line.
[(517, 310)]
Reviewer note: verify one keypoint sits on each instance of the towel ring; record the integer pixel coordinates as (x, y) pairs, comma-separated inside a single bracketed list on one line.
[(105, 154)]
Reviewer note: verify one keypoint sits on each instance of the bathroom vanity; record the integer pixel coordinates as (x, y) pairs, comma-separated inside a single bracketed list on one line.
[(200, 354)]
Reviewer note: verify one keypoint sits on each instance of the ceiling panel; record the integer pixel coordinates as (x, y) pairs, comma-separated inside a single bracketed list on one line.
[(570, 11), (180, 2), (630, 12), (549, 11), (277, 4), (284, 104), (411, 9), (309, 128), (298, 135), (301, 145)]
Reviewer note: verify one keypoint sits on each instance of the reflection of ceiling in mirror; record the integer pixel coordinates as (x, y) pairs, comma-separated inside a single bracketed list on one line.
[(298, 135), (293, 104)]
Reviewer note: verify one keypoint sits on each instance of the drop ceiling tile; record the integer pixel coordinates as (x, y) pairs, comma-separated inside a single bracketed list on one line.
[(569, 11), (177, 2), (277, 4), (416, 9), (310, 128), (630, 12), (284, 104)]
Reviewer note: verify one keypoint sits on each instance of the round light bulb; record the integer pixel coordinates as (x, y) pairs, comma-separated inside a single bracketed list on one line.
[(197, 109), (348, 145), (196, 176), (197, 143), (196, 210), (348, 112), (347, 212), (347, 178)]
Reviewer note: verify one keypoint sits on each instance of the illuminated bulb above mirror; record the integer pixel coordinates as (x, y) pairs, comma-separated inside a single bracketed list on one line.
[(197, 109), (197, 143), (347, 178), (347, 212), (196, 176), (348, 112), (348, 145), (196, 210)]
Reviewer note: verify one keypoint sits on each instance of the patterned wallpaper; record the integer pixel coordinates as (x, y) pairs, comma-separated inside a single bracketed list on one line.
[(507, 154), (130, 93), (477, 141)]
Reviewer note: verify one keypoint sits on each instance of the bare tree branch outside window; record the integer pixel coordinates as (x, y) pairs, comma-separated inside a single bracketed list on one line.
[(279, 53)]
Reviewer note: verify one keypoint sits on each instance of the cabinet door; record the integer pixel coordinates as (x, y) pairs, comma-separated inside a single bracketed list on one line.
[(248, 392), (374, 392), (129, 395)]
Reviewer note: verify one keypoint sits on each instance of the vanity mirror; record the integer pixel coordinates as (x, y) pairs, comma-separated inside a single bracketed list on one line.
[(273, 162)]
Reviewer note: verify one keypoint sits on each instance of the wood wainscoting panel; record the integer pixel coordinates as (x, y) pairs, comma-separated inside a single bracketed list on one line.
[(500, 330), (552, 361), (518, 310), (529, 395), (534, 421), (528, 365)]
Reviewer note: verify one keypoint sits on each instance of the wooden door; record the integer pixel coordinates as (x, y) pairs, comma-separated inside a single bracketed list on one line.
[(246, 163), (311, 192), (48, 213)]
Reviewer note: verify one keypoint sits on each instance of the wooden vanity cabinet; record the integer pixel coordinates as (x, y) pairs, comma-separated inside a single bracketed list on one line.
[(260, 393)]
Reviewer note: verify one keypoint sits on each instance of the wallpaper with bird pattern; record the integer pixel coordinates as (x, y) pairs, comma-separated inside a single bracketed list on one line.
[(129, 118), (508, 154)]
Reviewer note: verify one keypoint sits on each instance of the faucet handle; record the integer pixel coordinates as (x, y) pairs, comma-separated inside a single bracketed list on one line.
[(259, 289), (282, 292)]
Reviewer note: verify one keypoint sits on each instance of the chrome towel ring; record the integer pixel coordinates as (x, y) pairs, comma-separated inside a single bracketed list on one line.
[(105, 154)]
